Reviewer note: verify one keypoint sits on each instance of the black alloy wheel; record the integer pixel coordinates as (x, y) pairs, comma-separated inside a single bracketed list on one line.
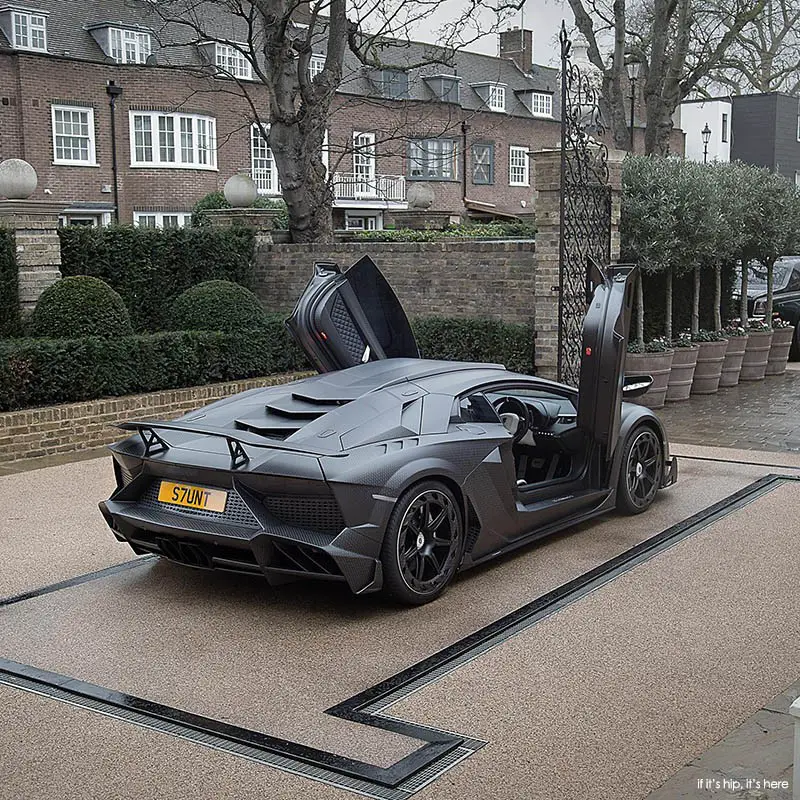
[(642, 469), (423, 544)]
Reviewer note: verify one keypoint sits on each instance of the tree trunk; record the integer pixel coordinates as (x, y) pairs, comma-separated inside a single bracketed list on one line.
[(718, 297), (770, 291), (743, 296), (304, 185), (640, 311), (668, 307), (696, 302)]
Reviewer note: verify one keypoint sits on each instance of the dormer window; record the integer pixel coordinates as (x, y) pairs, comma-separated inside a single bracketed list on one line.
[(232, 61), (492, 94), (496, 99), (392, 83), (444, 87), (541, 104), (24, 28), (129, 47)]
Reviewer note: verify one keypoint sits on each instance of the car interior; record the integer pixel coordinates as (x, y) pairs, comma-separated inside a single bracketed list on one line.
[(548, 446)]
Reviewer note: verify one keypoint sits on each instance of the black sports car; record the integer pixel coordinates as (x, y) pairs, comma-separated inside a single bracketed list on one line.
[(389, 471)]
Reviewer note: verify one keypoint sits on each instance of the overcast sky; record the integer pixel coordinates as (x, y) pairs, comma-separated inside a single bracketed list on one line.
[(543, 17)]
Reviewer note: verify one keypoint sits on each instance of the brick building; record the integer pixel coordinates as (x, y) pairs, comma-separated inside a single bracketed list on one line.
[(464, 129)]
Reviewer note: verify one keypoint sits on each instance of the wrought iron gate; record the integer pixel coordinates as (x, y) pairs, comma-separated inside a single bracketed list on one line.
[(585, 205)]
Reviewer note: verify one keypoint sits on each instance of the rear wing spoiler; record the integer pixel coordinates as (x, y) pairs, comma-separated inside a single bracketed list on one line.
[(154, 443)]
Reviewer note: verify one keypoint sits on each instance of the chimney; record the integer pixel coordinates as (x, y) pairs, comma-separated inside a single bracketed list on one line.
[(517, 44)]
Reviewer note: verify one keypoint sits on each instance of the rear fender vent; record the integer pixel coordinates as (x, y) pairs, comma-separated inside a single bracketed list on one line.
[(314, 512), (399, 444)]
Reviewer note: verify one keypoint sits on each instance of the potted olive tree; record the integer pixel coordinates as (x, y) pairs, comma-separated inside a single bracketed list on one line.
[(645, 238)]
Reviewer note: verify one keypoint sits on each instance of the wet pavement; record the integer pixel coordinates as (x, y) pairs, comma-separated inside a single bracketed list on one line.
[(762, 415)]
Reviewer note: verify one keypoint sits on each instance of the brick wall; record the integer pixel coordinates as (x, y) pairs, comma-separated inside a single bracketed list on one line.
[(69, 428), (458, 278)]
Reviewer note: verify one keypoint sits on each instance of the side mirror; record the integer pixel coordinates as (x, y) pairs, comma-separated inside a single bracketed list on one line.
[(635, 385)]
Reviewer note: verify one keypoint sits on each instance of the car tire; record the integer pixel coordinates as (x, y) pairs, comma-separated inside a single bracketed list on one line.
[(640, 471), (423, 544)]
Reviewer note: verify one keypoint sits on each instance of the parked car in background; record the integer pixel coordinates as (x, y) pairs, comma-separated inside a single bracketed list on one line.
[(785, 291)]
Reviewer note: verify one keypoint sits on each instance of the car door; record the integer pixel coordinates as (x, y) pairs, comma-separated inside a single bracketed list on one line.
[(605, 343), (347, 318)]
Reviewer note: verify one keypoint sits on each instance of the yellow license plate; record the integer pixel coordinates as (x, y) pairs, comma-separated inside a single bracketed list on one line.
[(183, 494)]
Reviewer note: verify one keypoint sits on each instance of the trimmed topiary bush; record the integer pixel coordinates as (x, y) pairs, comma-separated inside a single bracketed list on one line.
[(217, 306), (80, 306)]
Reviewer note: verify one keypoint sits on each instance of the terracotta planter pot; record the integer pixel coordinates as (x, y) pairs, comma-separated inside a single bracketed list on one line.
[(682, 373), (732, 365), (658, 366), (754, 363), (709, 367), (779, 350)]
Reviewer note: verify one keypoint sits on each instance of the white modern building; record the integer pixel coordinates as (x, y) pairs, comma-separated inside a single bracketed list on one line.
[(707, 125)]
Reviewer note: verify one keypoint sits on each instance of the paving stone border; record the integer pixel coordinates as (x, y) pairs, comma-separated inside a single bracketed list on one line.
[(72, 427)]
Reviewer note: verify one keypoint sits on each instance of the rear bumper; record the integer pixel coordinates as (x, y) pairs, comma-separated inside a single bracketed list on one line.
[(670, 472), (258, 545)]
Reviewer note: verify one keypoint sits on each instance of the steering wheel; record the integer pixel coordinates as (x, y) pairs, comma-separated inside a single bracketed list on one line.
[(514, 415)]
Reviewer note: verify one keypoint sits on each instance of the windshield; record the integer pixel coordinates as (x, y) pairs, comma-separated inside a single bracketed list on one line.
[(784, 267)]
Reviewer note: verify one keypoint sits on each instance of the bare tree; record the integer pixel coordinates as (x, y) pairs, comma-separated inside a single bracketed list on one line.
[(290, 105), (677, 42), (765, 55)]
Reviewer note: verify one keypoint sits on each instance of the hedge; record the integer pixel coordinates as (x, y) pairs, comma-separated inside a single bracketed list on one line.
[(467, 339), (9, 291), (150, 267), (37, 372)]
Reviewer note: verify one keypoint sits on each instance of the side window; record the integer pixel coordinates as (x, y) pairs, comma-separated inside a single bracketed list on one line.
[(476, 408)]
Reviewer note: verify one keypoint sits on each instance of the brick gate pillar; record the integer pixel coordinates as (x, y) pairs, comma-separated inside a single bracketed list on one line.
[(35, 227), (547, 182)]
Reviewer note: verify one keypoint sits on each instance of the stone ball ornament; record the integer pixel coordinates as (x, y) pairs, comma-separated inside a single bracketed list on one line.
[(240, 191), (420, 197), (18, 179)]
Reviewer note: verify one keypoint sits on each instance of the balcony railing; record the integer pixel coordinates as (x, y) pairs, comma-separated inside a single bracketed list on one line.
[(352, 186), (346, 186)]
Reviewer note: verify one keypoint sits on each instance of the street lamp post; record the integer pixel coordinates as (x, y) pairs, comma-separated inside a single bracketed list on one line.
[(706, 134), (633, 76)]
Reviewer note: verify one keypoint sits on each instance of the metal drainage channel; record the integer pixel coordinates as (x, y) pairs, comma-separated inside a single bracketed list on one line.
[(442, 749)]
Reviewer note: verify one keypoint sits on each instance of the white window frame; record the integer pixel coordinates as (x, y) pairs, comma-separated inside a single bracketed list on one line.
[(798, 126), (232, 62), (263, 168), (195, 134), (315, 65), (184, 218), (541, 104), (496, 97), (139, 42), (34, 21), (521, 166), (91, 160)]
